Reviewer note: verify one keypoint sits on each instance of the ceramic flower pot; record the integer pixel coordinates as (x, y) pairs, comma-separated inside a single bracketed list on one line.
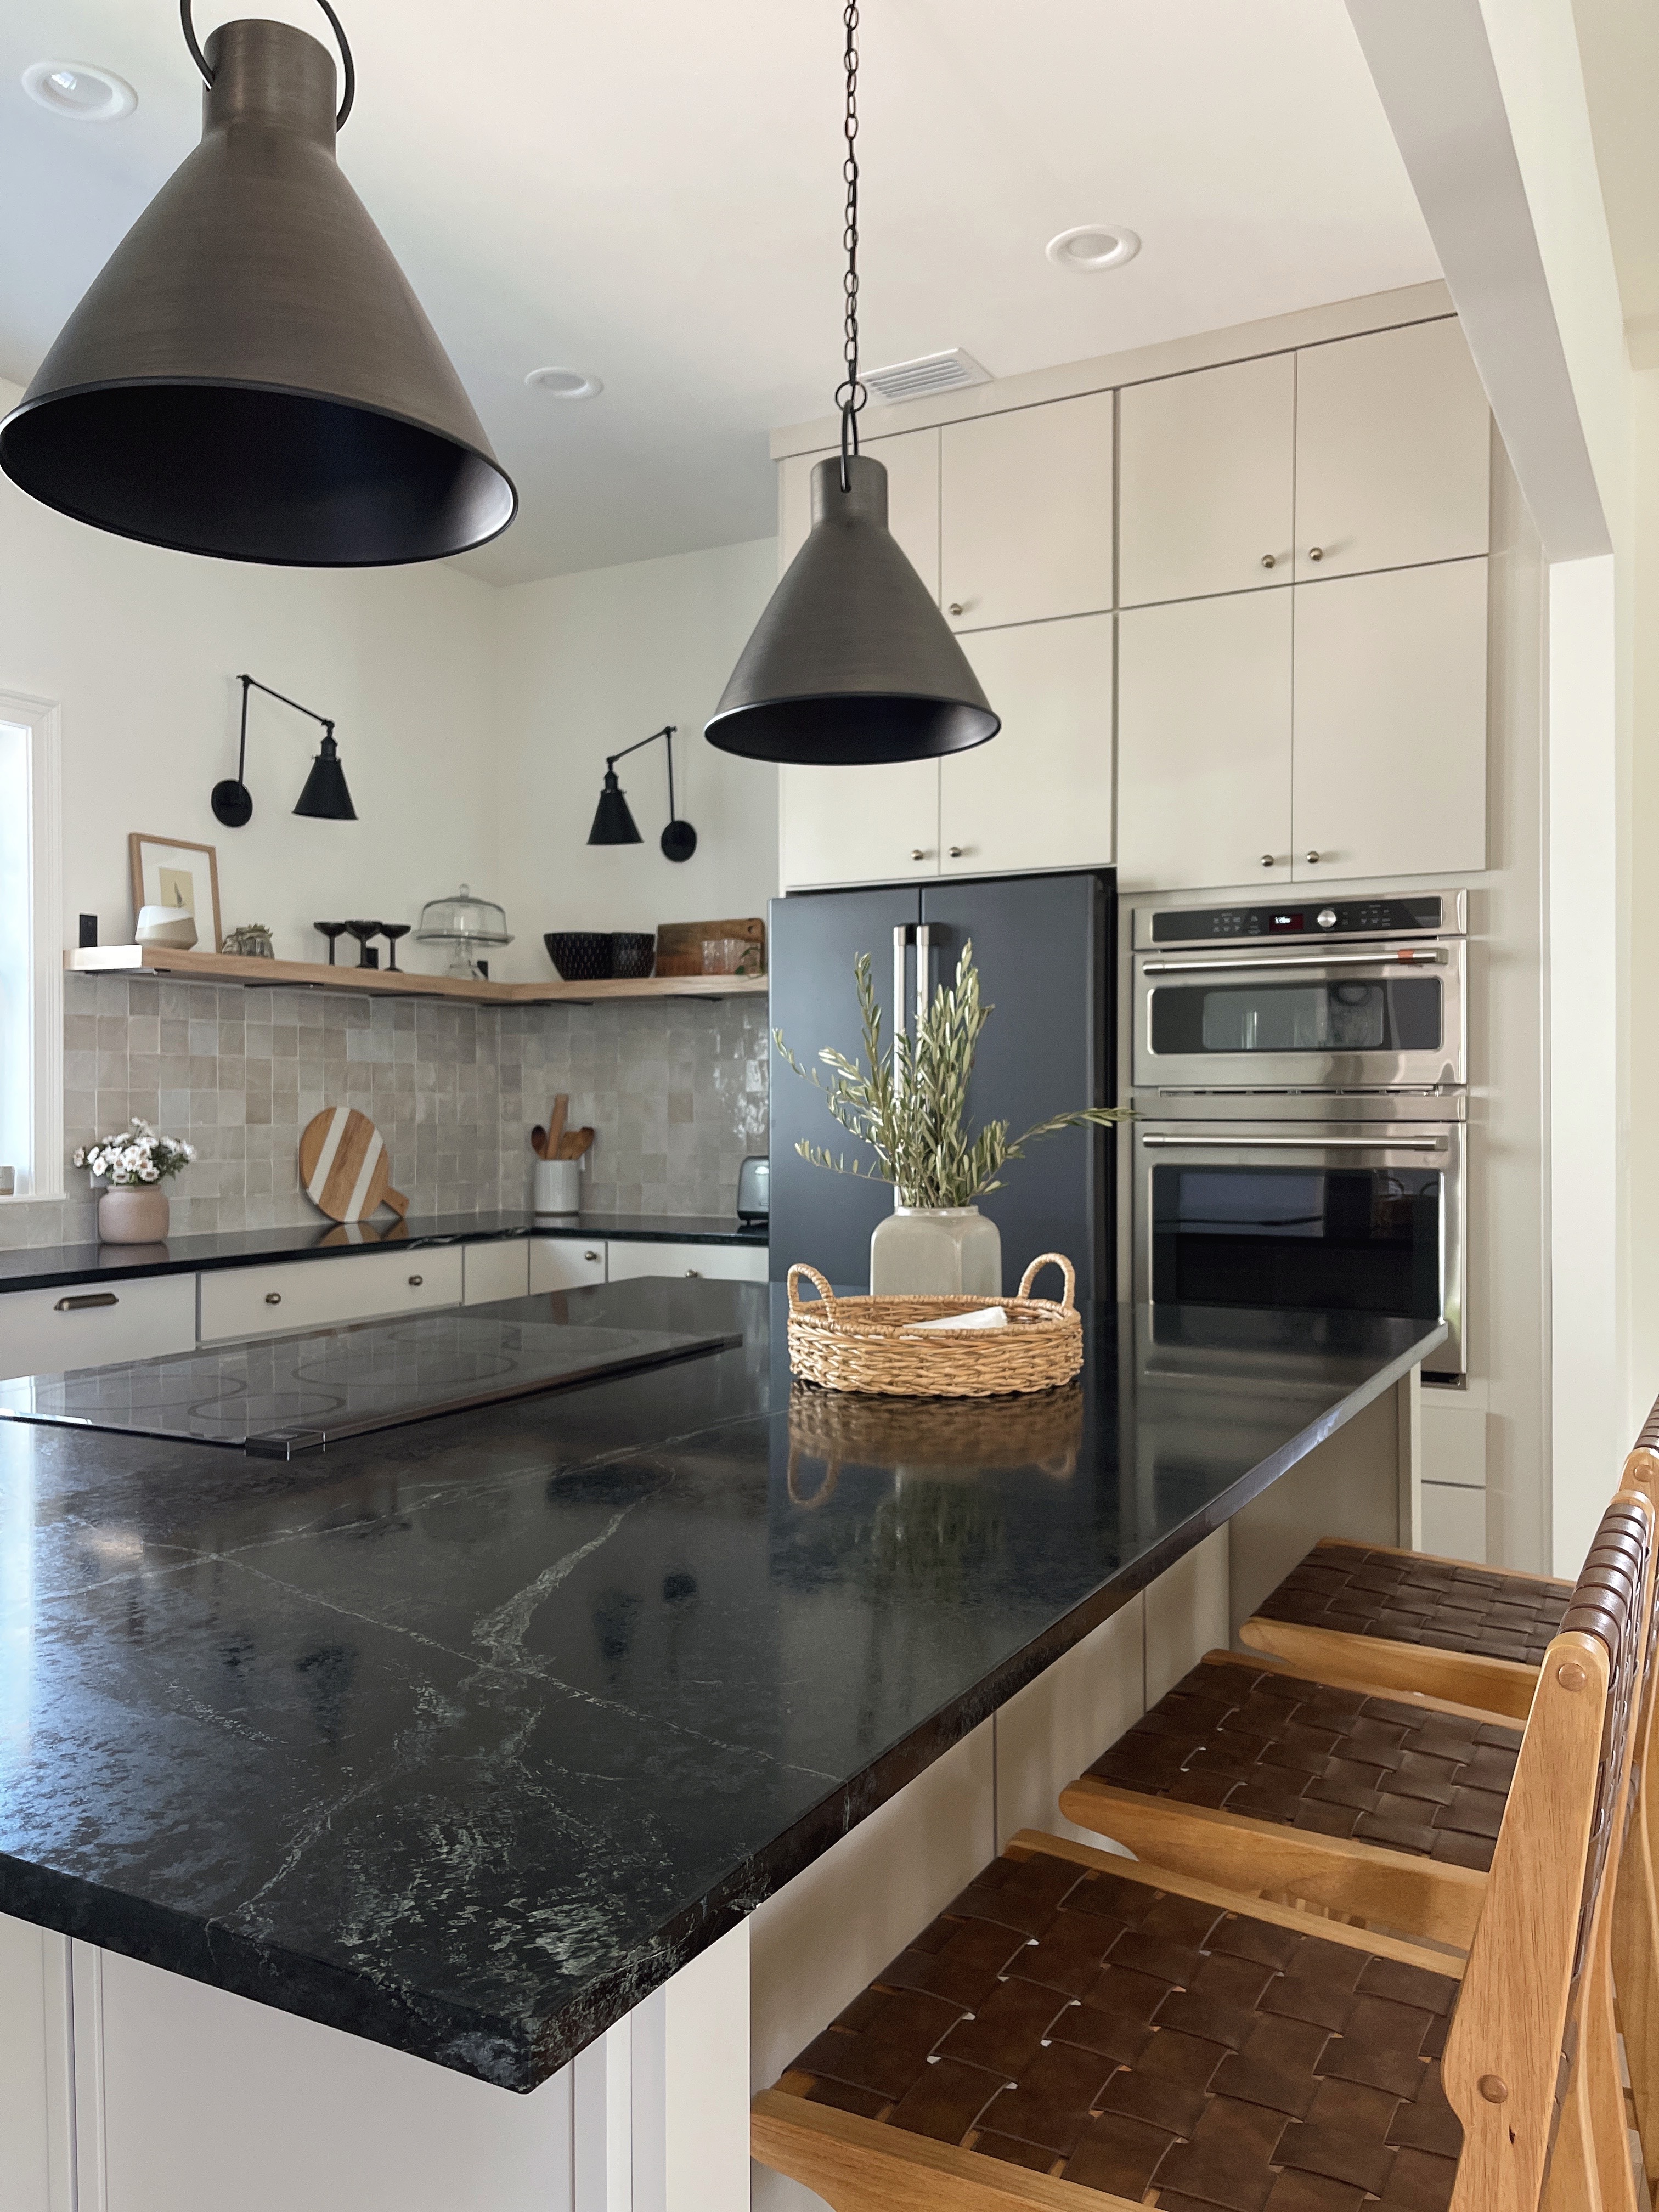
[(132, 1213), (936, 1251)]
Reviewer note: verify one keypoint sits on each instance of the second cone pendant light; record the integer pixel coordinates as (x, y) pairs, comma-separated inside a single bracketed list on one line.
[(852, 662), (251, 376)]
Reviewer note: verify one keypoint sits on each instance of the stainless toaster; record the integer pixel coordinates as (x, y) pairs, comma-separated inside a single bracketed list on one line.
[(754, 1189)]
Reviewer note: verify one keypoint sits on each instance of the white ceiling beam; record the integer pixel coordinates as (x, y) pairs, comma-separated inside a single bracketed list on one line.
[(1434, 71)]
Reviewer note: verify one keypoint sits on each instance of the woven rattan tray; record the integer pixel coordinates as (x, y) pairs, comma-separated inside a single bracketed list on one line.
[(872, 1345), (951, 1439)]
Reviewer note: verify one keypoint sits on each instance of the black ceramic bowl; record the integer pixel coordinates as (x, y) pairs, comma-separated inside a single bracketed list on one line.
[(581, 956), (633, 954)]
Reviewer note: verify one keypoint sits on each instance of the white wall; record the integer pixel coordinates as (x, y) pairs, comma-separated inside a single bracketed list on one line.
[(588, 663), (141, 647)]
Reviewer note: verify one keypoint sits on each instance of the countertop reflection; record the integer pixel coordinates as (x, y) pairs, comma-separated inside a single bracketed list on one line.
[(465, 1736)]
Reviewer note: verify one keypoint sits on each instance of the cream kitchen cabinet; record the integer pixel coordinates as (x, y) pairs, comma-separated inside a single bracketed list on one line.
[(1206, 482), (1390, 723), (496, 1267), (1025, 513), (1204, 750), (1393, 452), (96, 1324), (853, 825), (269, 1301), (566, 1263), (726, 1263), (1039, 795)]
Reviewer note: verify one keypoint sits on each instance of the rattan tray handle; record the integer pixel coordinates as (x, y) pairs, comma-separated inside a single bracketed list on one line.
[(816, 1279), (812, 1499), (1051, 1259)]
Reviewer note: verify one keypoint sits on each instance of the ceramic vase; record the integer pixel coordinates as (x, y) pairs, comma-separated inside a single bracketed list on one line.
[(132, 1213), (936, 1251)]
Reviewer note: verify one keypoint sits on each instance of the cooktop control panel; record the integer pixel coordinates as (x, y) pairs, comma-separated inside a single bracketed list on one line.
[(1430, 914)]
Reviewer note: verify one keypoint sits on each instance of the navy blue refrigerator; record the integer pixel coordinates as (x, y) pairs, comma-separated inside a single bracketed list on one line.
[(1043, 945)]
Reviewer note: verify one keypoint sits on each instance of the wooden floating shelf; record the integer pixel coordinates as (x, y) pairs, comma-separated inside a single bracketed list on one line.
[(395, 982)]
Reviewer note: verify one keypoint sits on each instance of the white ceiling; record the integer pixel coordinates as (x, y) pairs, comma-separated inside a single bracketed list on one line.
[(651, 192)]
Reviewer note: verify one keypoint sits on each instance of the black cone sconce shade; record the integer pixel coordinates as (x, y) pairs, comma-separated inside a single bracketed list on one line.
[(251, 376), (852, 662), (325, 797), (613, 818)]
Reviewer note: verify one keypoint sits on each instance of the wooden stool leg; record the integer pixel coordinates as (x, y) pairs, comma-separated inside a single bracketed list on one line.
[(1636, 1979)]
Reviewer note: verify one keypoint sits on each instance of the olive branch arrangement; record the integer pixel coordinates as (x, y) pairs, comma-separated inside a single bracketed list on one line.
[(908, 1105)]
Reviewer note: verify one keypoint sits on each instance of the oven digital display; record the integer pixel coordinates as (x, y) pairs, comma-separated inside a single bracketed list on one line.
[(1280, 924)]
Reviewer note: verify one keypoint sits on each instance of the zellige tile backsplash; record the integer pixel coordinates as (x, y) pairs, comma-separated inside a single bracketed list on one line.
[(675, 1088)]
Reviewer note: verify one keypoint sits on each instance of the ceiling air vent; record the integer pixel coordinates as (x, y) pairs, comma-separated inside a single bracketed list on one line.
[(921, 379)]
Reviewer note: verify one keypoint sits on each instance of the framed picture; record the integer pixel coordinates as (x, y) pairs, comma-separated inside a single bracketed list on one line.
[(168, 872)]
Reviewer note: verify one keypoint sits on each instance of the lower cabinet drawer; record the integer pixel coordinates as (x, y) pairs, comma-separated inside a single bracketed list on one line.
[(727, 1263), (565, 1263), (96, 1325), (312, 1293), (495, 1270)]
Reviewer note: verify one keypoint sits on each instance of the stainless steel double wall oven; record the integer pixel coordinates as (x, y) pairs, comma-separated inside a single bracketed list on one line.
[(1300, 1074)]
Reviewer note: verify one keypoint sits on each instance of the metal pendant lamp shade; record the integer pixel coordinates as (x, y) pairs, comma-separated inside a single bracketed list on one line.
[(851, 663), (251, 376), (325, 798), (613, 818)]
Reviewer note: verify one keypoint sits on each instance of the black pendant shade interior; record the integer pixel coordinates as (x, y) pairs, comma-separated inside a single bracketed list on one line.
[(613, 818), (251, 376), (852, 662), (325, 797)]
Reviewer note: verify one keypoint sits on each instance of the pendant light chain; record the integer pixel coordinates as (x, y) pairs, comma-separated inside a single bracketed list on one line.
[(851, 395)]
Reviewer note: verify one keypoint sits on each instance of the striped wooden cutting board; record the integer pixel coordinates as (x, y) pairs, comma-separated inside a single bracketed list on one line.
[(344, 1167)]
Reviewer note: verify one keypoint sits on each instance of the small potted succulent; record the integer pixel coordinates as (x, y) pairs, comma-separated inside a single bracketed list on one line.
[(908, 1106), (134, 1209)]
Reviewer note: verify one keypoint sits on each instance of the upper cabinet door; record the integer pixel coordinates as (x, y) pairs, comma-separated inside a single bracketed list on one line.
[(1204, 743), (1393, 452), (1206, 496), (858, 825), (1391, 723), (911, 460), (1025, 513), (1039, 795)]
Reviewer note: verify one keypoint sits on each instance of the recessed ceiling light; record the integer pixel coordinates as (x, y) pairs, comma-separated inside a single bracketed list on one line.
[(1093, 246), (564, 383), (80, 91)]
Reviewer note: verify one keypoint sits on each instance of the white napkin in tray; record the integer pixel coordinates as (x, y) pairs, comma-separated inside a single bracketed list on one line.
[(984, 1317)]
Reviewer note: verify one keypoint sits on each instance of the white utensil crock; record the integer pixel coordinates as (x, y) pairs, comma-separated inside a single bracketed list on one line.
[(556, 1186)]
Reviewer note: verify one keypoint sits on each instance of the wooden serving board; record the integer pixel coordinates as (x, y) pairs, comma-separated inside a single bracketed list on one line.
[(346, 1169), (679, 944)]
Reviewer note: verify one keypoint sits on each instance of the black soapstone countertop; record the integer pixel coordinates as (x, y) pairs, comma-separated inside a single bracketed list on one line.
[(53, 1267), (465, 1736)]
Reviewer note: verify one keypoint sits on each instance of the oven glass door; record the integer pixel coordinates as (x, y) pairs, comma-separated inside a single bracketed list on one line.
[(1356, 1020), (1354, 1227)]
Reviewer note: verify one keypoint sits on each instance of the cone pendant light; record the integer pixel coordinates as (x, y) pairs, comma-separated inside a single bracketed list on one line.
[(852, 662), (250, 376)]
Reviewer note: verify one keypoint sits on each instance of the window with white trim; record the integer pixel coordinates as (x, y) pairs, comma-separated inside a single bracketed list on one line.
[(31, 961)]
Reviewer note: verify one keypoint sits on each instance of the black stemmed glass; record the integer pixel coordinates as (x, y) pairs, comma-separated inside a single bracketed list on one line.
[(391, 931), (330, 930), (362, 931)]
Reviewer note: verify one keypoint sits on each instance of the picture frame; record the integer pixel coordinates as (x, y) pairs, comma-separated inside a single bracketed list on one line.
[(170, 871)]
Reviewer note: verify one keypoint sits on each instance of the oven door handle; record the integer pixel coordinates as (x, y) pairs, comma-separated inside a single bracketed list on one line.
[(1407, 956), (1312, 1143)]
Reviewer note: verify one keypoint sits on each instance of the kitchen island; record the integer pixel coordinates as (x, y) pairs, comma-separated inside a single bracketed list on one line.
[(633, 1726)]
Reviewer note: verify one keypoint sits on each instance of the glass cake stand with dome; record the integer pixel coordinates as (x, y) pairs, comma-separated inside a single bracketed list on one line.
[(468, 925)]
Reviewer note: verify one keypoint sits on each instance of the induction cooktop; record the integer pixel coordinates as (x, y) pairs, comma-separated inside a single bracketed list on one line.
[(280, 1395)]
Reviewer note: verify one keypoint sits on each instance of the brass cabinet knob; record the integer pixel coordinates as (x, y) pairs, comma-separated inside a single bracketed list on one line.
[(415, 1281), (1266, 860), (696, 1271), (1313, 860), (955, 852), (1270, 561), (1316, 552), (917, 854), (957, 607), (590, 1256), (273, 1297)]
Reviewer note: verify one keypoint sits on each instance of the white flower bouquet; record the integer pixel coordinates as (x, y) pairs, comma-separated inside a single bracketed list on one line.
[(140, 1156)]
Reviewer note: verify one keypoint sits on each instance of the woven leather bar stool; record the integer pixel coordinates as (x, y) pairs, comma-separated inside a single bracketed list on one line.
[(1077, 2027)]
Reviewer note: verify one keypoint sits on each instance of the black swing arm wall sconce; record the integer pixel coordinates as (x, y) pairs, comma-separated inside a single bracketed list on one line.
[(613, 821), (325, 797)]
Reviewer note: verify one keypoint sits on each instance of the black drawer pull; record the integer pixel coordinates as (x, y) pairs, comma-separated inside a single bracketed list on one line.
[(92, 1299)]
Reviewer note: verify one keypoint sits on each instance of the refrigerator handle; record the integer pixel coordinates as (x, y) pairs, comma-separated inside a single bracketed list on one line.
[(924, 946), (901, 940)]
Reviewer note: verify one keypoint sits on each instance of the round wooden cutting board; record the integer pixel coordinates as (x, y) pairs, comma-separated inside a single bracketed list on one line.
[(344, 1167)]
